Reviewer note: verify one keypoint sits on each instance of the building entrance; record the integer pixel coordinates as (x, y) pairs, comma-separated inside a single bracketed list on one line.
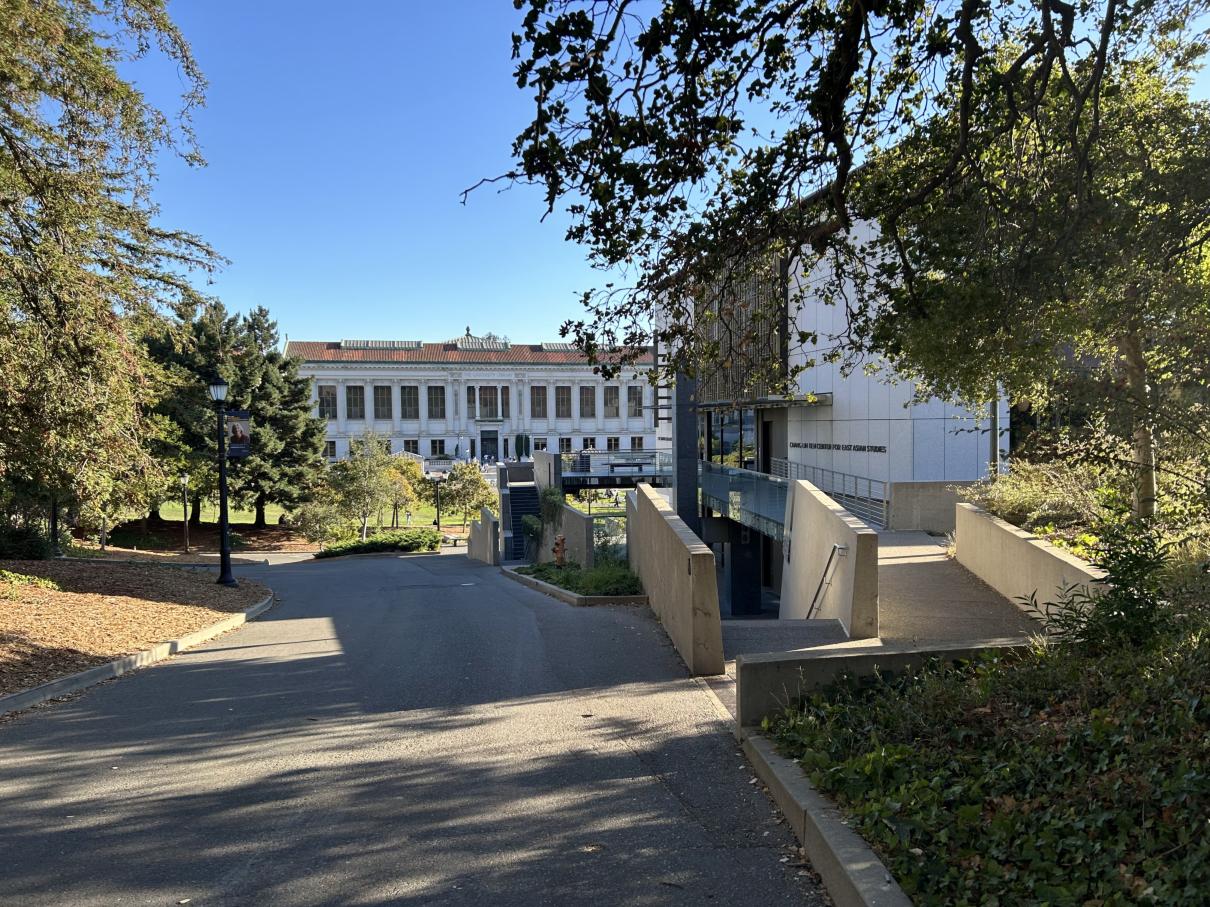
[(489, 445)]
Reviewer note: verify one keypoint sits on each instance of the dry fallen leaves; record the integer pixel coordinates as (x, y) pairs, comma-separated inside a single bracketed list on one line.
[(102, 612)]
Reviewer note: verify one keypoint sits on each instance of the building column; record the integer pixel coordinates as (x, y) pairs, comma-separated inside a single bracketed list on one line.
[(422, 405), (684, 453), (342, 413), (600, 395)]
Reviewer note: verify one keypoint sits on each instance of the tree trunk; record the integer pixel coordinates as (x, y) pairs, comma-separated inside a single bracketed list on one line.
[(259, 522), (1143, 433), (195, 511), (365, 526)]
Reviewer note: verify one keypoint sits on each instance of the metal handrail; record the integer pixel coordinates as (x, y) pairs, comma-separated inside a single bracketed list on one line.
[(865, 498), (837, 550)]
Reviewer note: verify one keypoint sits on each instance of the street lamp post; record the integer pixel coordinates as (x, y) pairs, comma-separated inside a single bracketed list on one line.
[(218, 393), (185, 507)]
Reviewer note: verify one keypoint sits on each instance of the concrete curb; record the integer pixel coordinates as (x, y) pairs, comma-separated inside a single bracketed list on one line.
[(74, 683), (237, 561), (348, 557), (851, 871), (572, 598)]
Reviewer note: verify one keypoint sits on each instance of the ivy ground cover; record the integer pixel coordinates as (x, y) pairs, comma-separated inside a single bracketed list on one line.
[(1054, 777)]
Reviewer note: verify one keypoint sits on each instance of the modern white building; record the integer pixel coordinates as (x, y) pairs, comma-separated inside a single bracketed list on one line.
[(470, 397)]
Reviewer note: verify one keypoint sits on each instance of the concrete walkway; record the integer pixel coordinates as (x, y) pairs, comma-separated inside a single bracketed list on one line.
[(397, 731), (925, 595)]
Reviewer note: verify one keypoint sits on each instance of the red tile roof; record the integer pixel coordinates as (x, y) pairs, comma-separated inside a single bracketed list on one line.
[(517, 353)]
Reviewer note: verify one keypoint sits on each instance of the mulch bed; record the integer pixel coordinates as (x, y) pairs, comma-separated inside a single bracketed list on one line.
[(101, 612)]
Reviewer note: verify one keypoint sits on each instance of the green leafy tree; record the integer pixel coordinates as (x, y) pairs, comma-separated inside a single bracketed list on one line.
[(362, 482), (407, 478), (467, 492), (1006, 287), (686, 140), (84, 262)]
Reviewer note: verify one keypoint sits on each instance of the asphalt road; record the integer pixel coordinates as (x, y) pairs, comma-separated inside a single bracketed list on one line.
[(396, 731)]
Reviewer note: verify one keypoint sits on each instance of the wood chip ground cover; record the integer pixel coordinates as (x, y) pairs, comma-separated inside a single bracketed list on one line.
[(101, 612)]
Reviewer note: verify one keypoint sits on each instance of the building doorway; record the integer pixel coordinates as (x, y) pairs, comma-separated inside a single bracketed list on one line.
[(489, 445)]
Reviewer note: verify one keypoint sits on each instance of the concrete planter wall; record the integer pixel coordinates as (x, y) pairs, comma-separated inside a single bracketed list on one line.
[(815, 525), (927, 506), (484, 542), (1014, 562), (677, 571)]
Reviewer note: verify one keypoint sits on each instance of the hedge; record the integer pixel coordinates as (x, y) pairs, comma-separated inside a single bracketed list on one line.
[(403, 540)]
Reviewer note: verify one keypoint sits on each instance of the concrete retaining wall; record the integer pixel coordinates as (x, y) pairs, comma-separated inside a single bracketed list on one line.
[(576, 529), (927, 506), (1014, 562), (548, 469), (484, 542), (765, 684), (814, 525), (678, 575)]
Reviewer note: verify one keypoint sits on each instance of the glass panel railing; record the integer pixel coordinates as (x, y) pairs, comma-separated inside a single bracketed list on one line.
[(616, 462), (753, 499)]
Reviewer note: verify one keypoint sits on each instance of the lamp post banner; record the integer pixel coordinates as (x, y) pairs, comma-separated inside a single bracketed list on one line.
[(239, 433)]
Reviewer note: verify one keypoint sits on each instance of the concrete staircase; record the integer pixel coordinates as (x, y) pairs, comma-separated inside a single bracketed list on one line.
[(522, 502)]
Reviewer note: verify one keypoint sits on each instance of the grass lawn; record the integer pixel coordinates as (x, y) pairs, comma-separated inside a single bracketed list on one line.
[(60, 617)]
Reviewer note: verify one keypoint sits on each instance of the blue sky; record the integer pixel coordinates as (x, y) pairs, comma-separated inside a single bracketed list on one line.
[(338, 138)]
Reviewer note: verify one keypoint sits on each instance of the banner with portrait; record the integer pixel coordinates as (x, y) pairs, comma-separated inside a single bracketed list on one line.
[(239, 433)]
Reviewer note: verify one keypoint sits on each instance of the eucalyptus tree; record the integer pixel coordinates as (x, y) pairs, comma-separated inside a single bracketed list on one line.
[(83, 257)]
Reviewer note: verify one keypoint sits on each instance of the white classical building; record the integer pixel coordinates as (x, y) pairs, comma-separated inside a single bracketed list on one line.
[(470, 397)]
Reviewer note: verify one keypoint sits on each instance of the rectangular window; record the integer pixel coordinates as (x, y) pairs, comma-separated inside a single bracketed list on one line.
[(436, 402), (505, 442), (504, 409), (487, 403), (437, 447), (472, 448), (470, 403), (355, 402), (565, 443), (588, 403), (537, 402), (613, 444), (540, 443), (411, 445), (327, 402), (330, 446), (636, 443), (385, 444), (590, 443), (382, 402), (409, 402), (612, 393), (563, 402), (634, 402)]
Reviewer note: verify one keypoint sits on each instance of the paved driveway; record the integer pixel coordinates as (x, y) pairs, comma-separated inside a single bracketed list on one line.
[(396, 731)]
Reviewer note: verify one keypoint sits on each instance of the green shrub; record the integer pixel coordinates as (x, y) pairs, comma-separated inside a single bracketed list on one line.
[(1059, 776), (401, 540), (10, 582), (603, 579), (1132, 610), (1054, 494), (550, 506), (24, 543)]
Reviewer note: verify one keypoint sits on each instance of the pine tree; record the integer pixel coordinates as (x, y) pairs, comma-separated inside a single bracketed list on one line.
[(286, 461)]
